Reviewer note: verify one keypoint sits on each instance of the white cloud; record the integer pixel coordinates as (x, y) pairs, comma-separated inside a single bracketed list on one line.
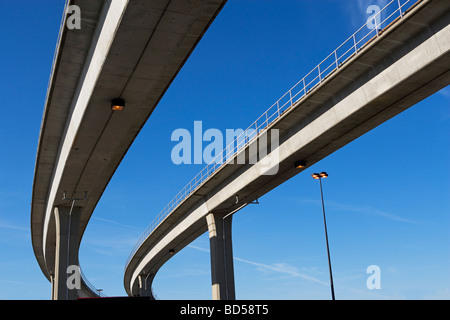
[(439, 295), (368, 210), (282, 268), (445, 92), (6, 225), (123, 226)]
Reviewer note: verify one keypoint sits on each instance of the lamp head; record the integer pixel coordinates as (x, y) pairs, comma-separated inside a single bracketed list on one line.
[(300, 164), (117, 104), (319, 175)]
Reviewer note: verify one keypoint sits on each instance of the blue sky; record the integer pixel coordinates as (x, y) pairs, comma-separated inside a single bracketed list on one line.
[(387, 195)]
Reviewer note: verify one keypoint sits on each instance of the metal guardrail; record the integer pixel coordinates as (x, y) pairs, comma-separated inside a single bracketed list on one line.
[(91, 286), (57, 47), (394, 10)]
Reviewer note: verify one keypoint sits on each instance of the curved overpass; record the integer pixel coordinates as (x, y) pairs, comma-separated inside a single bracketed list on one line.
[(370, 78), (131, 49)]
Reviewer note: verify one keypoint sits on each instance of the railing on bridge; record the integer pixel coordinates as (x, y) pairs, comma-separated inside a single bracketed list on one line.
[(58, 42), (98, 292), (373, 28)]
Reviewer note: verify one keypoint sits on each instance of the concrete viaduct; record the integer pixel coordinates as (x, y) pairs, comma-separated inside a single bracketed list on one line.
[(132, 50), (369, 79), (129, 49)]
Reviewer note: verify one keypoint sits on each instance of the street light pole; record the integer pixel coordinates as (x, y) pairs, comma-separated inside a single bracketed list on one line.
[(319, 176)]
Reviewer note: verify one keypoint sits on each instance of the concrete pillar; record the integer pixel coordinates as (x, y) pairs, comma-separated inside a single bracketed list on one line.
[(67, 234), (52, 281), (145, 287), (222, 270)]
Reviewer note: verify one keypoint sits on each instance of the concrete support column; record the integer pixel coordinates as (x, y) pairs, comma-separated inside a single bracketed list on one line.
[(145, 288), (222, 270), (52, 281), (67, 234)]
